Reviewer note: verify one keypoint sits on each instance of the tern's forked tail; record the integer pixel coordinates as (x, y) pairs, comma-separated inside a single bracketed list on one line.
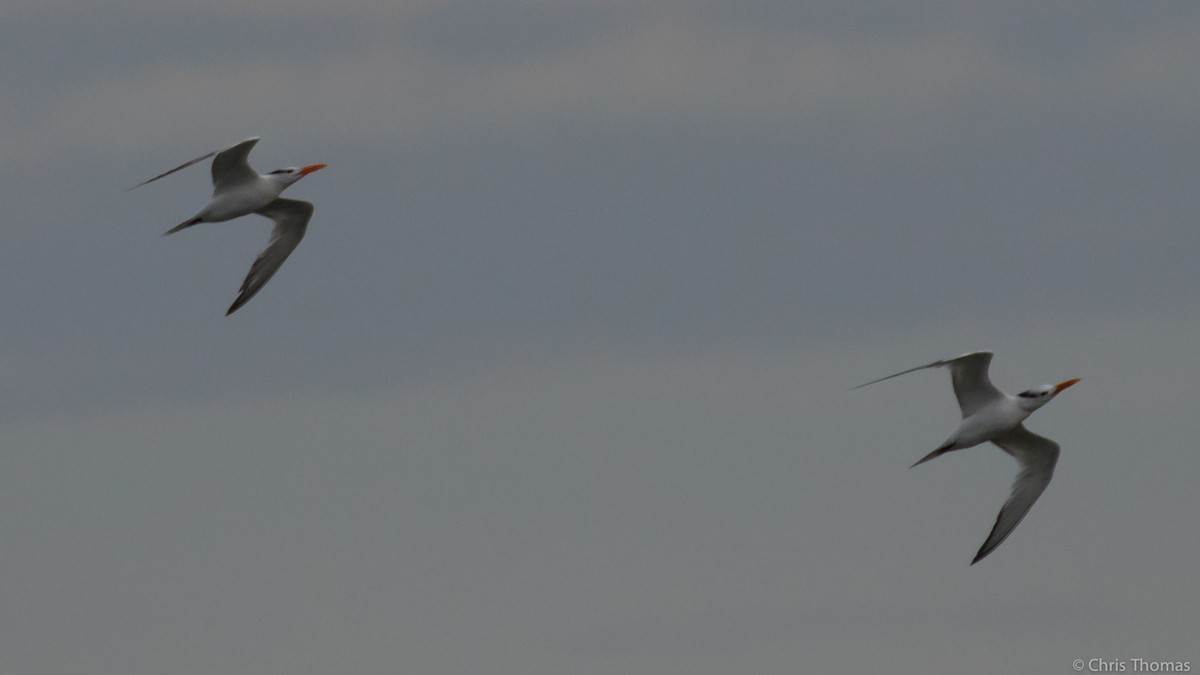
[(936, 453), (184, 225)]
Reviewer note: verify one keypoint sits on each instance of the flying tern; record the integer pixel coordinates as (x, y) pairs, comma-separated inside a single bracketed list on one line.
[(991, 415), (239, 190)]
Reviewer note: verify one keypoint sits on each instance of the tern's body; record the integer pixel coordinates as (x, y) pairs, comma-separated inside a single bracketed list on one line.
[(991, 415), (240, 199), (239, 190), (997, 417)]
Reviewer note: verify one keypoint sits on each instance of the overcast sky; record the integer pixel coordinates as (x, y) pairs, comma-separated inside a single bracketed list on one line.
[(557, 383)]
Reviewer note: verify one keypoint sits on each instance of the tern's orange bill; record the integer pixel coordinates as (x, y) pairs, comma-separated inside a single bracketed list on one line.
[(1063, 385), (304, 171)]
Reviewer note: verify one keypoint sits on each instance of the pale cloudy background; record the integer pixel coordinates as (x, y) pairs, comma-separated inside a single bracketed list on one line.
[(558, 381)]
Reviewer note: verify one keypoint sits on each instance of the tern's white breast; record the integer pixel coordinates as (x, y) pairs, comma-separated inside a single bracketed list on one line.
[(990, 421), (242, 199)]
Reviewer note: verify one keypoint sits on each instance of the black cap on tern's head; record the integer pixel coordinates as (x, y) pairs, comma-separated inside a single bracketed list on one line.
[(1039, 396), (292, 174)]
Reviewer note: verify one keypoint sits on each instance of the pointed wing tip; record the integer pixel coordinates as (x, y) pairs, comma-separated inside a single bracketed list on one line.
[(981, 555), (864, 384), (240, 300), (935, 364), (252, 141), (145, 182)]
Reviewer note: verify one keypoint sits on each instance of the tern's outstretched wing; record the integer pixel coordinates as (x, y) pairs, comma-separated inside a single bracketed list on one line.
[(291, 220), (968, 374), (1037, 456), (234, 150), (232, 166), (972, 388)]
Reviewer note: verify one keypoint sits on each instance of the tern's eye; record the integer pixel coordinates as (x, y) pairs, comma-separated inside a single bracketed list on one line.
[(279, 171)]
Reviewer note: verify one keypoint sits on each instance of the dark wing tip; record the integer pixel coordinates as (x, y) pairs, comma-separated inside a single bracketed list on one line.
[(984, 552), (993, 540), (242, 298), (151, 180)]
